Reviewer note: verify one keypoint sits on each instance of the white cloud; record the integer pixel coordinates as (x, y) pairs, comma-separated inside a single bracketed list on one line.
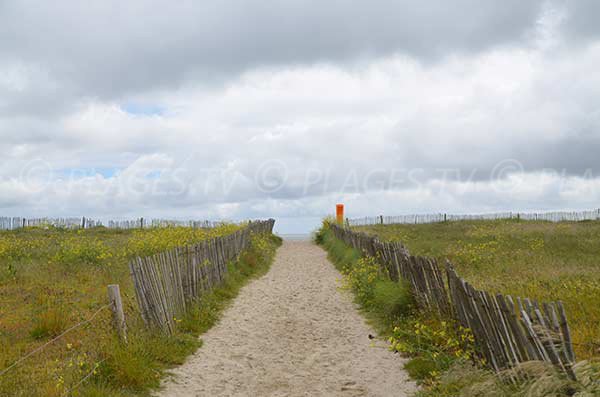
[(291, 138)]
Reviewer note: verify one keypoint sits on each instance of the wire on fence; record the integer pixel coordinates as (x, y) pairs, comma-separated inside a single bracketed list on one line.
[(38, 349), (213, 254), (86, 377)]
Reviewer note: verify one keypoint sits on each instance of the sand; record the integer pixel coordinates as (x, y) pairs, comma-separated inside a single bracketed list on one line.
[(293, 332)]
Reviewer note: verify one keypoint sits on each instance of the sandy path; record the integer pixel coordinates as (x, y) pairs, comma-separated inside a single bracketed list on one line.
[(291, 333)]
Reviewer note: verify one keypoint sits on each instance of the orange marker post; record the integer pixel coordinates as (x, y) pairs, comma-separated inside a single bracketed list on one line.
[(339, 213)]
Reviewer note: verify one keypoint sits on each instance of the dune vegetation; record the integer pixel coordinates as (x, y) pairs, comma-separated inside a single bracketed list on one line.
[(540, 260), (52, 279), (442, 355)]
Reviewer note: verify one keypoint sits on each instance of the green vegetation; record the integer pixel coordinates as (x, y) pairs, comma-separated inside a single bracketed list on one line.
[(540, 260), (432, 343), (51, 279), (441, 355)]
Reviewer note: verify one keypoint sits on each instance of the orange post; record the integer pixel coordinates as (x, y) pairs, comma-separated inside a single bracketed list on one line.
[(339, 213)]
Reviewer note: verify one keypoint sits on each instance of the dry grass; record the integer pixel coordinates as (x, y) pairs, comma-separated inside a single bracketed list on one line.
[(537, 379), (539, 260)]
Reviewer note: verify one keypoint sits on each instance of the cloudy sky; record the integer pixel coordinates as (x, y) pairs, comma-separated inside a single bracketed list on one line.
[(252, 109)]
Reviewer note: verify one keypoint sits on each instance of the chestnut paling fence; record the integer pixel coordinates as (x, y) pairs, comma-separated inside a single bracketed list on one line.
[(507, 331), (164, 284), (556, 216), (167, 283), (15, 222)]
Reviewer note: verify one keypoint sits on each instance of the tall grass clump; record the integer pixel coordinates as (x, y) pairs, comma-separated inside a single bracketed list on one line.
[(392, 299), (50, 322)]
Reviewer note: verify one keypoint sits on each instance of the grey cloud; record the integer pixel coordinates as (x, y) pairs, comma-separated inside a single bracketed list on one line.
[(325, 95), (581, 17), (110, 49)]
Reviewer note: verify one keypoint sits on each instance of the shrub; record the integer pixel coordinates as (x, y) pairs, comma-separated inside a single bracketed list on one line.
[(392, 299), (319, 237), (339, 253), (75, 250), (360, 277), (149, 241), (421, 368)]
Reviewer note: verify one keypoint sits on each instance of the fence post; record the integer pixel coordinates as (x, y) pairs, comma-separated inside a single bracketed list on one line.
[(116, 305)]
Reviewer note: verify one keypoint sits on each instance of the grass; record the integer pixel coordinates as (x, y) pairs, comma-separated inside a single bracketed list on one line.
[(49, 323), (540, 260), (51, 279), (383, 302), (441, 355), (432, 343)]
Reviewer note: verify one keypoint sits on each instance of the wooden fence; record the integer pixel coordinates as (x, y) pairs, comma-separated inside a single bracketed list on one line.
[(142, 223), (167, 283), (507, 331), (557, 216), (12, 223)]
